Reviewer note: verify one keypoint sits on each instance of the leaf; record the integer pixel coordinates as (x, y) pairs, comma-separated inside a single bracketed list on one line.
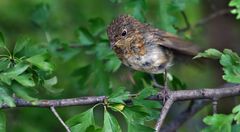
[(80, 122), (146, 92), (48, 84), (5, 98), (40, 62), (2, 122), (118, 96), (4, 64), (12, 73), (25, 80), (209, 53), (236, 111), (236, 9), (85, 38), (2, 41), (110, 123), (22, 92), (218, 122), (231, 66), (135, 127), (97, 25), (136, 8), (113, 64), (20, 44), (135, 112), (41, 14), (16, 70)]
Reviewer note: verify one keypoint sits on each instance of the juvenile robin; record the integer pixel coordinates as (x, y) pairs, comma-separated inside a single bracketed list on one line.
[(145, 48)]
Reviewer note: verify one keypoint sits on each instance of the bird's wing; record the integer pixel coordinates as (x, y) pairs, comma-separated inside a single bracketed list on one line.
[(175, 43)]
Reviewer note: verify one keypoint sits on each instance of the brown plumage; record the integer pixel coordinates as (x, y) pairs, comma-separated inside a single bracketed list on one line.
[(145, 48)]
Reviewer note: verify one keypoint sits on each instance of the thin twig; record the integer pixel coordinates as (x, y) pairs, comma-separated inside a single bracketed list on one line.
[(214, 105), (211, 17), (163, 113), (52, 108), (184, 116)]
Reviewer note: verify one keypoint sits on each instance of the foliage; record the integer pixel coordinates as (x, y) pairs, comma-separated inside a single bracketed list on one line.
[(222, 122), (229, 60), (236, 9)]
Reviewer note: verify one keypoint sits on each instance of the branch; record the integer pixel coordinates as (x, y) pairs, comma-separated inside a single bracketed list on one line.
[(164, 112), (179, 95), (59, 118)]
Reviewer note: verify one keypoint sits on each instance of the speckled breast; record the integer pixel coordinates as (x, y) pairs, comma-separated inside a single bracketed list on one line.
[(155, 60)]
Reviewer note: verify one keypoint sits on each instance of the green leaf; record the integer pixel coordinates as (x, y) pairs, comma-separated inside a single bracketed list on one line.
[(218, 122), (4, 62), (146, 92), (236, 111), (231, 66), (12, 73), (41, 14), (5, 98), (2, 122), (48, 84), (25, 80), (209, 53), (136, 8), (2, 41), (113, 64), (135, 112), (110, 123), (40, 62), (118, 96), (22, 92), (80, 122), (236, 9), (135, 127), (20, 44), (85, 38), (97, 26), (16, 70)]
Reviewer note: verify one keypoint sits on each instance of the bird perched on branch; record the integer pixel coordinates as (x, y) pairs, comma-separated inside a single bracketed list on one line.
[(145, 48)]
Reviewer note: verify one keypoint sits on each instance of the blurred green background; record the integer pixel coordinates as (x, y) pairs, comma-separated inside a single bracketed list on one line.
[(74, 33)]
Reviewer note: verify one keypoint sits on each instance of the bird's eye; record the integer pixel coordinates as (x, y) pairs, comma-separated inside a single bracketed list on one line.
[(124, 32)]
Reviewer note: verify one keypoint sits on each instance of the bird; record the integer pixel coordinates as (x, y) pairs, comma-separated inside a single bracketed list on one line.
[(145, 48)]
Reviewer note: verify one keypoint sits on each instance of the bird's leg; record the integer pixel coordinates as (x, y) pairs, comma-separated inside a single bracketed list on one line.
[(164, 88)]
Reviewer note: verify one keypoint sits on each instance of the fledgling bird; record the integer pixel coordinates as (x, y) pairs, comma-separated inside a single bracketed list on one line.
[(145, 48)]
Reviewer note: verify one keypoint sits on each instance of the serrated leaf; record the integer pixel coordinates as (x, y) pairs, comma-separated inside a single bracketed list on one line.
[(110, 123), (118, 96), (236, 111), (25, 80), (2, 121), (5, 98), (85, 38), (209, 53), (2, 41), (22, 92), (40, 62), (219, 122), (20, 44), (80, 122)]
